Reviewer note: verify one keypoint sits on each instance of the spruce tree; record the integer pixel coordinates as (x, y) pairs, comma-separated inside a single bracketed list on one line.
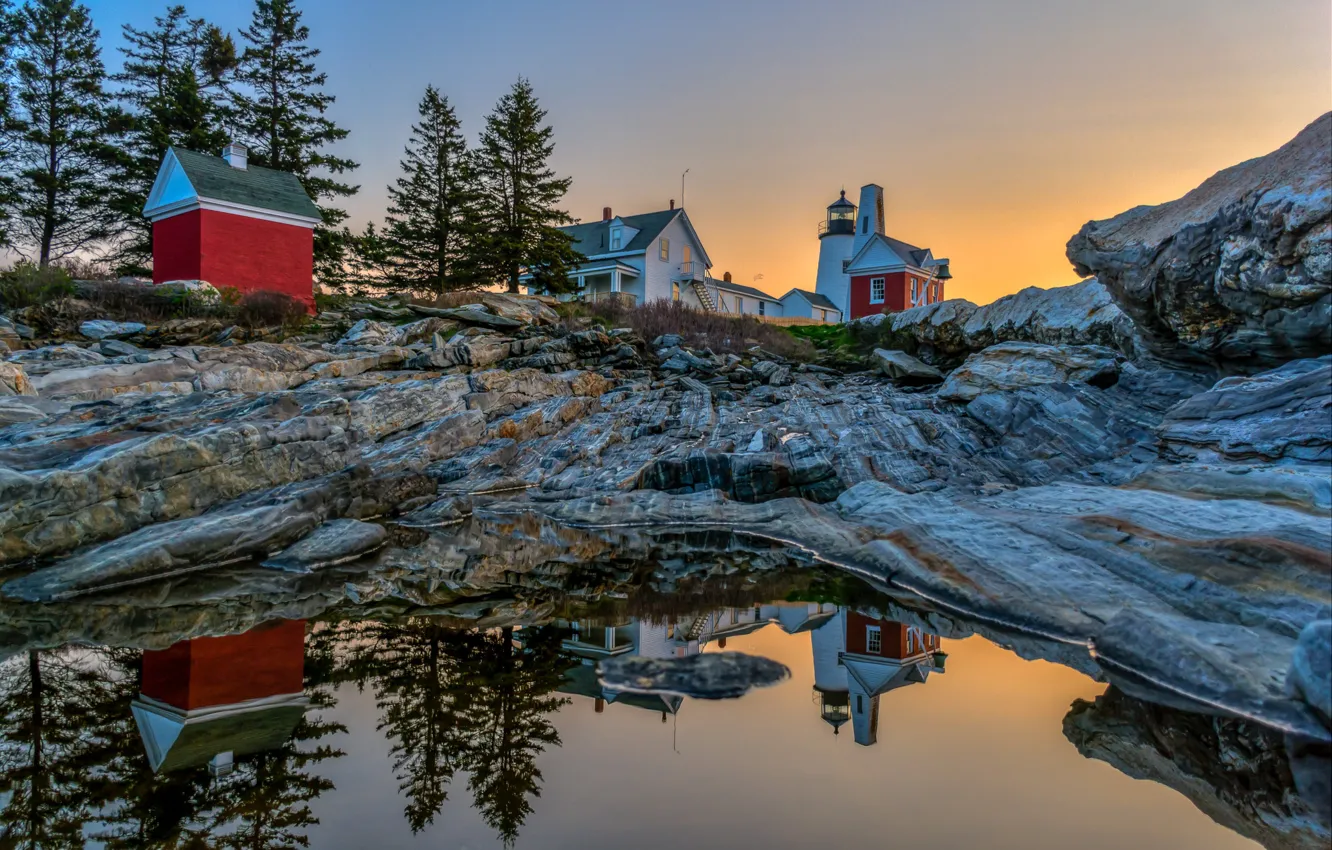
[(174, 87), (432, 227), (8, 127), (521, 196), (63, 149), (282, 115)]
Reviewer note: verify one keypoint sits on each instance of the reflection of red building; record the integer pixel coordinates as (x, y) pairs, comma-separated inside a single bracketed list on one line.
[(207, 699), (857, 659)]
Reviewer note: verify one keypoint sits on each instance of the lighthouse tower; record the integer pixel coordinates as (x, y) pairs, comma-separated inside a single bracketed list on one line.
[(836, 236)]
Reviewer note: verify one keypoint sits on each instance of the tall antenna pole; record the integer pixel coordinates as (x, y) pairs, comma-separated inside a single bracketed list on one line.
[(682, 177)]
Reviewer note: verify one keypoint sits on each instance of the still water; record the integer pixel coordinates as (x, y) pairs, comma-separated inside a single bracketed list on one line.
[(408, 731)]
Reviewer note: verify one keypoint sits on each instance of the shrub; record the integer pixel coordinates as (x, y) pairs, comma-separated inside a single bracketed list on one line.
[(27, 285), (719, 332), (262, 309)]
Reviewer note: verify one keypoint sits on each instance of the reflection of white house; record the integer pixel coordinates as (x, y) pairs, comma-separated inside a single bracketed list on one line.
[(858, 659)]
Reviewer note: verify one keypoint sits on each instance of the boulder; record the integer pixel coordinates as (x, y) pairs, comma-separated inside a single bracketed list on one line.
[(902, 368), (1014, 365), (947, 331), (1310, 677), (333, 542), (1238, 272), (100, 329), (14, 381), (368, 332)]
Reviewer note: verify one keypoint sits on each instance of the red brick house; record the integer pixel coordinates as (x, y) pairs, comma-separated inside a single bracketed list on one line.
[(881, 273), (222, 220)]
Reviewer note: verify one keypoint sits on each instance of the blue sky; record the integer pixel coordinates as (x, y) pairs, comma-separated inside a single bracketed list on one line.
[(997, 128)]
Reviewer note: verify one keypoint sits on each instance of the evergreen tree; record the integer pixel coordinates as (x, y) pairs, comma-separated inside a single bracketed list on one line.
[(282, 115), (8, 126), (370, 258), (431, 229), (521, 196), (174, 85), (63, 148)]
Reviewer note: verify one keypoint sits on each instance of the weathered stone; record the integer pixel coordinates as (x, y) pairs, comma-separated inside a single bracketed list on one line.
[(1015, 365), (368, 332), (103, 329), (902, 368), (1310, 677), (332, 543), (14, 381), (1238, 272)]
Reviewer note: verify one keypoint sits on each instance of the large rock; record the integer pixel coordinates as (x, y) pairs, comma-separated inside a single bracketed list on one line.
[(104, 329), (902, 368), (947, 331), (1311, 669), (1015, 365), (1238, 272), (14, 381)]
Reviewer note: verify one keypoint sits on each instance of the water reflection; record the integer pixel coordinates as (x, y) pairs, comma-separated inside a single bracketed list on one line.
[(229, 741)]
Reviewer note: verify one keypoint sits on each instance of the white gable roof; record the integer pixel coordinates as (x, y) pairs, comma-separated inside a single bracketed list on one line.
[(172, 187), (877, 254)]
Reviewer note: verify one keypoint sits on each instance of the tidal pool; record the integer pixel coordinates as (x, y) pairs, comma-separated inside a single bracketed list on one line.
[(378, 730)]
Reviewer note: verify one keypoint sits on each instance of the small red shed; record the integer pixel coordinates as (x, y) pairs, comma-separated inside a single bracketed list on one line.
[(232, 224)]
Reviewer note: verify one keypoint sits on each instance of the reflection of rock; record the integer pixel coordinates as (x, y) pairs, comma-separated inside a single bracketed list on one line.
[(1311, 669), (1224, 586), (1234, 771), (711, 675), (1239, 270)]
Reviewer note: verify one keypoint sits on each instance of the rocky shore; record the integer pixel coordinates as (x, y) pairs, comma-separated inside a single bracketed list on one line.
[(1130, 475)]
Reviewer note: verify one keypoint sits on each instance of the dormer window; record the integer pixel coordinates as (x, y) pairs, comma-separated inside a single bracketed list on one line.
[(617, 238)]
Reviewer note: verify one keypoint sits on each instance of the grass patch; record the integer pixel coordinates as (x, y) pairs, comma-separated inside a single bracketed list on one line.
[(719, 332)]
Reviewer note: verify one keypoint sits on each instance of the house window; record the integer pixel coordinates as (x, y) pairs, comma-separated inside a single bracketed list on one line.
[(860, 704), (762, 309), (675, 292), (616, 236), (914, 283), (864, 225), (846, 264), (665, 249), (739, 304), (876, 290), (873, 640)]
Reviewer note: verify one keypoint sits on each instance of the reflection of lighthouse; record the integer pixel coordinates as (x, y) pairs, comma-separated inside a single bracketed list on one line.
[(209, 699), (858, 659)]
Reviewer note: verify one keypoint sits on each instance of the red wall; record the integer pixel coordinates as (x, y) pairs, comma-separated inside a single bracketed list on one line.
[(237, 251), (263, 662), (896, 294), (176, 248)]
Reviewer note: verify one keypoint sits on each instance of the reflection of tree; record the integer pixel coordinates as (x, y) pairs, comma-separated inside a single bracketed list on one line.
[(71, 760), (43, 768), (461, 701)]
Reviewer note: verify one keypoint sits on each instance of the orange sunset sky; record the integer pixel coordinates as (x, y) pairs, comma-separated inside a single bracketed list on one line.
[(996, 128)]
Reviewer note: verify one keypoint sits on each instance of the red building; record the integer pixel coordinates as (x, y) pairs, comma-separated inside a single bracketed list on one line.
[(884, 274), (221, 220), (209, 699)]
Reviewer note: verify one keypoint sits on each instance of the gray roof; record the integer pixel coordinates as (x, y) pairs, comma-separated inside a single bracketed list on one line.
[(214, 178), (744, 290), (593, 238), (816, 299)]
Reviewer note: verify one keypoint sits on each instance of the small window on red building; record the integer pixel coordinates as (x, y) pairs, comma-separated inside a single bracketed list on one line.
[(877, 285), (873, 640)]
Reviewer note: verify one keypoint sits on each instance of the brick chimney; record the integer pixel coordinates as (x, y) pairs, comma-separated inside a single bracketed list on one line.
[(672, 203), (606, 214), (727, 277)]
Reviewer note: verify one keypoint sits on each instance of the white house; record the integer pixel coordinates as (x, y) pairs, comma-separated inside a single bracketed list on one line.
[(744, 300), (810, 305), (648, 257)]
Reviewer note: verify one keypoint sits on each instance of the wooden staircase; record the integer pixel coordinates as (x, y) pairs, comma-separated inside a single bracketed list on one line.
[(704, 295)]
